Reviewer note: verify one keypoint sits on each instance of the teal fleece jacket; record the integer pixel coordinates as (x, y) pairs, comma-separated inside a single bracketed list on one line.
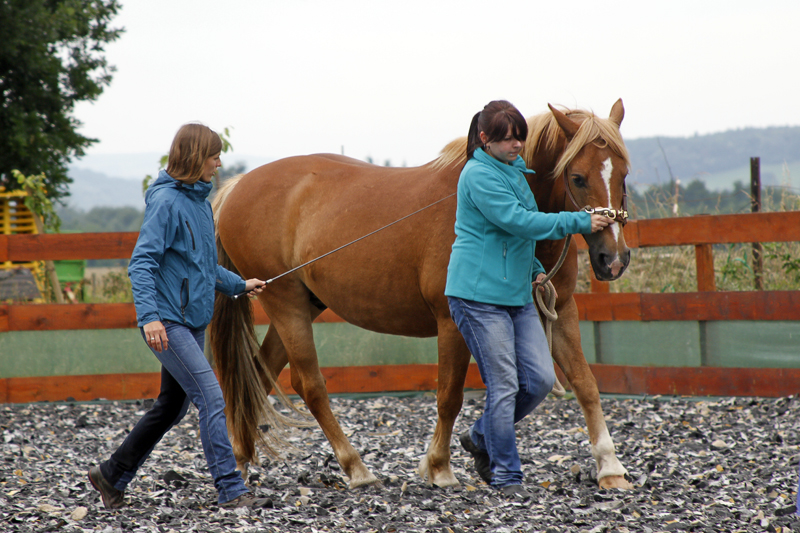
[(497, 225), (173, 269)]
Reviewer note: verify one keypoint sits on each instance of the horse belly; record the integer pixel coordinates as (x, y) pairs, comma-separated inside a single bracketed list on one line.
[(392, 305)]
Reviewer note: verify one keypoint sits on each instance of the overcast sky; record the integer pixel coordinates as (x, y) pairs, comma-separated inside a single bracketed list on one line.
[(397, 80)]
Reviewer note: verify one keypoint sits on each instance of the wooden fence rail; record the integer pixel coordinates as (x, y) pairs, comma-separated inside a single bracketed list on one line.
[(598, 306), (612, 379), (695, 230), (707, 304)]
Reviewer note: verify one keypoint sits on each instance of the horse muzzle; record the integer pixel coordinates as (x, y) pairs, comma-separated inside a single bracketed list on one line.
[(608, 262)]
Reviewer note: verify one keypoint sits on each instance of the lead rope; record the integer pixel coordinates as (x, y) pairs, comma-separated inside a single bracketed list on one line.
[(549, 310)]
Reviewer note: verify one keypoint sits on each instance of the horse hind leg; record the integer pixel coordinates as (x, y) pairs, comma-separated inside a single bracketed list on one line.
[(296, 334), (568, 354), (435, 466)]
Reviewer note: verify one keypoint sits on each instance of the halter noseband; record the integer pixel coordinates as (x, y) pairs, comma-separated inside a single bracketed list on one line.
[(619, 215)]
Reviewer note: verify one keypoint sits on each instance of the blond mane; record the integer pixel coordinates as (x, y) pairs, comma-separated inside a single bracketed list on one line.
[(544, 130), (221, 196), (454, 153), (601, 132)]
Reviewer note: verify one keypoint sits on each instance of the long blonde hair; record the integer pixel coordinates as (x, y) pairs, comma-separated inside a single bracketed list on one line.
[(192, 146)]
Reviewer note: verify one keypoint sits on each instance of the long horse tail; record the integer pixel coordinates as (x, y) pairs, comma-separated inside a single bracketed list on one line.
[(246, 382)]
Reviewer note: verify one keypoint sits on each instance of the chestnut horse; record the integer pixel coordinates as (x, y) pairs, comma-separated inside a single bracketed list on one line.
[(293, 210)]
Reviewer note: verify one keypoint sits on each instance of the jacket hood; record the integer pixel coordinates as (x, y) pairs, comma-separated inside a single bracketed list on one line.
[(198, 190)]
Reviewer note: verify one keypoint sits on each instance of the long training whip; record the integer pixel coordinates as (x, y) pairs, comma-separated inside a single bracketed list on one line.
[(348, 244)]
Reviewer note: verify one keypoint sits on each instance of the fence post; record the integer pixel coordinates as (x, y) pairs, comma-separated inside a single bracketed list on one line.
[(755, 207), (597, 286), (49, 266), (704, 261)]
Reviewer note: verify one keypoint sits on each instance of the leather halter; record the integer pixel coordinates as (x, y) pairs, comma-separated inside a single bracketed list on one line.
[(619, 215)]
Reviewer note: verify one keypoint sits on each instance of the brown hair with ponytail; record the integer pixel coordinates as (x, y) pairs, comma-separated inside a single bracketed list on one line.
[(495, 119)]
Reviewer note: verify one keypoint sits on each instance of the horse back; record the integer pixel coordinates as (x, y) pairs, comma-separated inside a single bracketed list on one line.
[(291, 211)]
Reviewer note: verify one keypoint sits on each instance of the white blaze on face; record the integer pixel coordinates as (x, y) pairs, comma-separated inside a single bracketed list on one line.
[(608, 170)]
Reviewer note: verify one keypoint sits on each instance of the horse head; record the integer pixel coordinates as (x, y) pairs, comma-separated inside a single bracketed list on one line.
[(593, 167)]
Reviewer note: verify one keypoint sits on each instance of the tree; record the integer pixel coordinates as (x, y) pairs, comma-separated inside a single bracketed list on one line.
[(51, 57)]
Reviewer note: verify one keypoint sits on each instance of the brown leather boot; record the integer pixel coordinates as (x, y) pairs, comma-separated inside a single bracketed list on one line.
[(112, 498)]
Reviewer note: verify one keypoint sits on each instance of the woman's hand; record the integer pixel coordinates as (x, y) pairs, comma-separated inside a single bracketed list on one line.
[(538, 284), (599, 222), (156, 335), (254, 286)]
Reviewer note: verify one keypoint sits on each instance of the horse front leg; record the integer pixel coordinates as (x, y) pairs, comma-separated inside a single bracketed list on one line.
[(568, 354), (454, 356), (308, 381)]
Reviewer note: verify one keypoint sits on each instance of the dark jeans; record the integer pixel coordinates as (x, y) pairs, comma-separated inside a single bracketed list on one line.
[(186, 376)]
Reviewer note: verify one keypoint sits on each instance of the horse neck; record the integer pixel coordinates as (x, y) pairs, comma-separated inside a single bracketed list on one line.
[(548, 189)]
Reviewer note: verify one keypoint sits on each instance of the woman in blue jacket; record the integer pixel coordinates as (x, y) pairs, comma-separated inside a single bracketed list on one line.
[(489, 287), (174, 274)]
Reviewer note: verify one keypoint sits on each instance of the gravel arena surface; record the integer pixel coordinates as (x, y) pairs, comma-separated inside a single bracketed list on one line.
[(714, 464)]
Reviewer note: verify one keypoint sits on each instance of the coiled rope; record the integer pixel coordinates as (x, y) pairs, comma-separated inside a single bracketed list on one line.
[(547, 305)]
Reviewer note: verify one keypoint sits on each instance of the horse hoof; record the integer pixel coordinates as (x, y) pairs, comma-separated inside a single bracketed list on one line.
[(615, 482), (368, 482), (363, 478), (442, 480)]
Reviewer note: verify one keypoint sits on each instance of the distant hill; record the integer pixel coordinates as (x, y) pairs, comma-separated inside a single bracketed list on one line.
[(94, 189), (115, 180), (717, 159), (124, 166)]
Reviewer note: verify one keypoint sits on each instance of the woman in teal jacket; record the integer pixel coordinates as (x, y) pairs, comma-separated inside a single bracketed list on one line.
[(174, 274), (488, 287)]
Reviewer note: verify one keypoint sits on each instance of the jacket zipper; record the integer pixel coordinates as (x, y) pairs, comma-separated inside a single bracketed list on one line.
[(505, 262), (191, 234), (184, 283)]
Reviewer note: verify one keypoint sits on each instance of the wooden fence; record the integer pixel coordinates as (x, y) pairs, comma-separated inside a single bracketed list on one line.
[(600, 305)]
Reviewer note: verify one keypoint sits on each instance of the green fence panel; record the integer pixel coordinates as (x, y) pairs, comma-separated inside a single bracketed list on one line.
[(765, 344)]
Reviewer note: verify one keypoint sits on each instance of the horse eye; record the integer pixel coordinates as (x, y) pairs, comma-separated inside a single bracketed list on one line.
[(579, 181)]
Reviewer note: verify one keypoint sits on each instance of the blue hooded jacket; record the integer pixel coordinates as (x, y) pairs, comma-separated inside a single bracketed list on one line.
[(174, 269), (497, 225)]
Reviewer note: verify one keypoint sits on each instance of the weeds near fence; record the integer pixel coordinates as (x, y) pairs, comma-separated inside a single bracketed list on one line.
[(112, 286), (116, 288), (672, 268)]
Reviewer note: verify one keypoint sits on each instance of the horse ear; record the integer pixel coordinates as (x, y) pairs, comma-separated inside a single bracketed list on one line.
[(568, 126), (617, 113)]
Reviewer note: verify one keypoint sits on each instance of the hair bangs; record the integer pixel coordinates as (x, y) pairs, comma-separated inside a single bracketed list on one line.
[(505, 121)]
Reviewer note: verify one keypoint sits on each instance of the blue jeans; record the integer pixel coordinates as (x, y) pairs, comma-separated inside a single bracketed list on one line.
[(510, 347), (186, 376)]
